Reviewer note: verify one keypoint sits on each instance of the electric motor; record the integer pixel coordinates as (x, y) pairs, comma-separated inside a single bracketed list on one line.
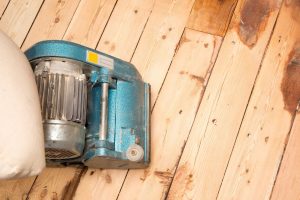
[(63, 95)]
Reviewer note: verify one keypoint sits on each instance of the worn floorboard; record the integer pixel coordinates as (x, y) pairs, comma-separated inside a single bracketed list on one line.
[(224, 122), (211, 16), (266, 126), (208, 149)]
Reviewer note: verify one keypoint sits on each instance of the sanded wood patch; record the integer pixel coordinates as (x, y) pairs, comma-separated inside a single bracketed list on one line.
[(221, 111), (259, 147), (173, 115)]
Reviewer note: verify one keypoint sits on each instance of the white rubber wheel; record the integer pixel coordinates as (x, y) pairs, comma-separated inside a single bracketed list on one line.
[(135, 153)]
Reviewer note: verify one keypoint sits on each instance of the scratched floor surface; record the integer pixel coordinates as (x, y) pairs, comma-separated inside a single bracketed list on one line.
[(225, 91)]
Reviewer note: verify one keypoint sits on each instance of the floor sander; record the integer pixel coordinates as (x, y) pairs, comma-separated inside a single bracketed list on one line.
[(94, 107)]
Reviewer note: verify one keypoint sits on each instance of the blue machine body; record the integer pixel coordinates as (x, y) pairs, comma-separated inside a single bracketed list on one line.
[(128, 105)]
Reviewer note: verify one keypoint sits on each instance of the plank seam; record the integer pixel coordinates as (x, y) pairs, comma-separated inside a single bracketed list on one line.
[(5, 9), (32, 23), (122, 185), (174, 54), (230, 14), (107, 23), (208, 73), (254, 84), (28, 194), (76, 179), (144, 27), (284, 149), (142, 32), (71, 19), (227, 27)]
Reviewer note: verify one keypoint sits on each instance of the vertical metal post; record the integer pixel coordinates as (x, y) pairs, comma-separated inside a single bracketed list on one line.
[(104, 111)]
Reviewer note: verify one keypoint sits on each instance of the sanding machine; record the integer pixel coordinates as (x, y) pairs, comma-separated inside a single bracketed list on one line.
[(95, 107)]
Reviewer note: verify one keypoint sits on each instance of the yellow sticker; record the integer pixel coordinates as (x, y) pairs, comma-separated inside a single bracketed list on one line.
[(92, 57), (100, 60)]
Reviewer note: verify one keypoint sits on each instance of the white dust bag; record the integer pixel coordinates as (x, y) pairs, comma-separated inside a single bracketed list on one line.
[(21, 132)]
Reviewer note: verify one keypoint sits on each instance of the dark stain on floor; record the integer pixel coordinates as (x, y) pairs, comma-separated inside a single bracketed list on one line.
[(253, 20), (290, 85)]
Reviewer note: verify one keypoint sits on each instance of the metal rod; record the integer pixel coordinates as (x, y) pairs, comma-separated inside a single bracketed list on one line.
[(104, 111)]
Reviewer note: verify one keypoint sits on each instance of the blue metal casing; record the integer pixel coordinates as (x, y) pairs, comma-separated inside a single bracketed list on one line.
[(128, 108)]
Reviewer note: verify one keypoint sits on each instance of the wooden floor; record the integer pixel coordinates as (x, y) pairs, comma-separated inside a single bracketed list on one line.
[(225, 77)]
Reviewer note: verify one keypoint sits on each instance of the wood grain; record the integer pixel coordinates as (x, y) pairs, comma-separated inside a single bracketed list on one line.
[(55, 183), (52, 21), (89, 22), (213, 135), (253, 133), (211, 16), (259, 147), (18, 18), (288, 181), (159, 40), (3, 6), (125, 28), (182, 92), (15, 189)]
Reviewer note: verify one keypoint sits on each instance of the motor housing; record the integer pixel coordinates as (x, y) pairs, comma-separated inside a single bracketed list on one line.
[(95, 107)]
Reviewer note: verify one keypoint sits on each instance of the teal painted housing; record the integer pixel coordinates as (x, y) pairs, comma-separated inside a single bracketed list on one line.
[(128, 107)]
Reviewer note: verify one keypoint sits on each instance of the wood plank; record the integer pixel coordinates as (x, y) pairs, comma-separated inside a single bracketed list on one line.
[(170, 126), (56, 183), (15, 189), (288, 181), (18, 17), (89, 21), (158, 43), (207, 152), (211, 16), (125, 27), (3, 6), (52, 21), (160, 37), (259, 147), (60, 183)]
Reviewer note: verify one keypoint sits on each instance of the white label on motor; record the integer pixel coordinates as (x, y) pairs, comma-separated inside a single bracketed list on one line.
[(106, 62)]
